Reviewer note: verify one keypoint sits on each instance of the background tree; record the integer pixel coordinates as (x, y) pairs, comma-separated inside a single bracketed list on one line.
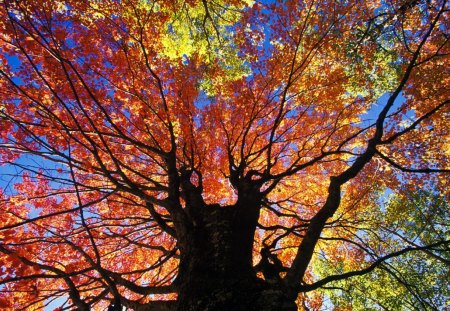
[(419, 279), (223, 155)]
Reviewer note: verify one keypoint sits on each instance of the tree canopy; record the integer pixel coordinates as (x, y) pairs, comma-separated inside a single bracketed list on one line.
[(270, 153)]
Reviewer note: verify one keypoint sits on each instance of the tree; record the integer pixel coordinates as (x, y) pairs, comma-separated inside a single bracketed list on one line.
[(221, 155), (416, 218)]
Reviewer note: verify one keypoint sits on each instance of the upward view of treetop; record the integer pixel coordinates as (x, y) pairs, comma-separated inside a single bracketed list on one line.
[(224, 155)]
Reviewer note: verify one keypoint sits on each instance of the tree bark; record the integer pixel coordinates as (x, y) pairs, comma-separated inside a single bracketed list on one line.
[(216, 271)]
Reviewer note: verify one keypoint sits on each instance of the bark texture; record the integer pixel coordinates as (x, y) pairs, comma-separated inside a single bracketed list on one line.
[(216, 271)]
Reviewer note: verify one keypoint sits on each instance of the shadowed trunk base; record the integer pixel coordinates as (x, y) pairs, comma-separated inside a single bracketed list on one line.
[(216, 270), (232, 295)]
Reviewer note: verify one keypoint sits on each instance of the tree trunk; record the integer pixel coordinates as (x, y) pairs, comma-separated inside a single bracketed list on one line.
[(216, 270)]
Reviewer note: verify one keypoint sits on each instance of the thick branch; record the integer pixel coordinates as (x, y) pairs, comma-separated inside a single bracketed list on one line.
[(306, 248)]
